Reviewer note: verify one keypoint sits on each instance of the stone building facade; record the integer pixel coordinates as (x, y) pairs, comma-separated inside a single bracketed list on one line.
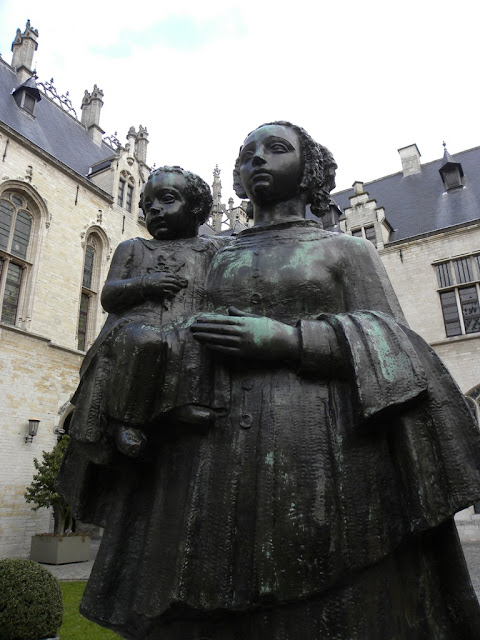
[(68, 196), (425, 223)]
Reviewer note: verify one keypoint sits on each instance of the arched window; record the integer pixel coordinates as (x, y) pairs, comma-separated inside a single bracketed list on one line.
[(89, 294), (16, 223)]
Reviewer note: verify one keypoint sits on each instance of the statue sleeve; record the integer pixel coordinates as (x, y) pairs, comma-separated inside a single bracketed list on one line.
[(372, 350)]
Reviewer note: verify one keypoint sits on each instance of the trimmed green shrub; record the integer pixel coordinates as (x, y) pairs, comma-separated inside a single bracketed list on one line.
[(43, 493), (31, 605)]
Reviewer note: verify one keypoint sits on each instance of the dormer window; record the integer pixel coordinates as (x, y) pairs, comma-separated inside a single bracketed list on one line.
[(451, 176), (27, 95), (29, 103), (451, 172)]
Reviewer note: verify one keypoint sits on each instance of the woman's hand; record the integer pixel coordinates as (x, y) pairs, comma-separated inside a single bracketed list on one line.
[(244, 335)]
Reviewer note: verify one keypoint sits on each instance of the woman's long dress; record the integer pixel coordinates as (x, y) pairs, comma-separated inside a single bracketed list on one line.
[(321, 506)]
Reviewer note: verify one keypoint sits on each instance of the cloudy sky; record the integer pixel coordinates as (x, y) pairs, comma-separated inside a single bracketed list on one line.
[(364, 78)]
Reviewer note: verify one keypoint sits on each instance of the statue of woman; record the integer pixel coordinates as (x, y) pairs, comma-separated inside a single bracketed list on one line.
[(321, 506)]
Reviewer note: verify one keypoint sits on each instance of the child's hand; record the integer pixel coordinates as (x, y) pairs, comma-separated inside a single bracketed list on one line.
[(161, 285)]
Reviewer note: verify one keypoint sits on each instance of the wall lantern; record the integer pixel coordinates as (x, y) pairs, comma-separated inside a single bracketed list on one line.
[(32, 429)]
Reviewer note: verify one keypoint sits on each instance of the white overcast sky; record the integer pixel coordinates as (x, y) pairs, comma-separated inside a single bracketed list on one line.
[(363, 78)]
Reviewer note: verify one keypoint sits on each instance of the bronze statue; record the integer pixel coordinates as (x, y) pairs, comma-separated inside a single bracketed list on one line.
[(126, 375), (320, 506)]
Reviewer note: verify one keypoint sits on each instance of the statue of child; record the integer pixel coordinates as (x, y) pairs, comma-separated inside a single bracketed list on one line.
[(134, 372)]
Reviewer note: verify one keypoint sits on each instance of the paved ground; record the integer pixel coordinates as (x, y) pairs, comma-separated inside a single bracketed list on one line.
[(81, 570)]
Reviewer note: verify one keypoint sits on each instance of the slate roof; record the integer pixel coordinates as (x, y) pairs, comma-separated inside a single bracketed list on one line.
[(419, 204), (52, 129)]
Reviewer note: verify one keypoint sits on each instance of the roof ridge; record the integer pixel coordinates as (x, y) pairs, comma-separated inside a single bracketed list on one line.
[(391, 175)]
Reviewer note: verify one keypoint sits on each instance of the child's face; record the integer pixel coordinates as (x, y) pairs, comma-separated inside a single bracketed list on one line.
[(167, 213)]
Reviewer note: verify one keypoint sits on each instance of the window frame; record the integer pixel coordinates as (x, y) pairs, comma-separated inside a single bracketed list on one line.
[(9, 257), (126, 191), (89, 290), (457, 275), (363, 233)]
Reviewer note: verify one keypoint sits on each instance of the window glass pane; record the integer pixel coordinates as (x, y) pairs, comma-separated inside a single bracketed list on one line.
[(463, 270), (88, 267), (444, 275), (29, 103), (470, 309), (12, 293), (476, 259), (450, 313), (371, 235), (121, 190), (129, 198), (82, 321), (21, 235), (6, 215), (17, 200), (357, 233)]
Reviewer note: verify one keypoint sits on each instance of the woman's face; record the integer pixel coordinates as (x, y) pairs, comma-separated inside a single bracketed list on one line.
[(271, 164)]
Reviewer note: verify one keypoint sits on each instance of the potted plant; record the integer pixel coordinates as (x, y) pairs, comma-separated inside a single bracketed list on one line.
[(30, 601), (63, 546)]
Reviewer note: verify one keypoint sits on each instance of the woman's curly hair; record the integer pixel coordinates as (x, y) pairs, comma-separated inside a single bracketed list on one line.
[(318, 177), (197, 192)]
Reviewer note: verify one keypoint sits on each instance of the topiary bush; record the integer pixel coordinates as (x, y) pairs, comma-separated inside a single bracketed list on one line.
[(43, 493), (31, 605)]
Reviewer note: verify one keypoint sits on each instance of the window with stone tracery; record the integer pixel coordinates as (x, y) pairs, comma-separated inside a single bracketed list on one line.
[(16, 224), (125, 190)]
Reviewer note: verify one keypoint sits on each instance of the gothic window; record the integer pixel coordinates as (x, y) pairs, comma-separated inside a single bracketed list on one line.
[(125, 190), (460, 304), (121, 192), (128, 204), (89, 292), (16, 223)]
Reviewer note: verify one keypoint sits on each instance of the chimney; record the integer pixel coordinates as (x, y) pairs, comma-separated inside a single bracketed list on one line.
[(410, 157), (23, 47), (141, 147), (92, 104), (357, 187)]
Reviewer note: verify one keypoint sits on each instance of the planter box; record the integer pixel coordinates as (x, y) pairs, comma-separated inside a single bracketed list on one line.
[(60, 549)]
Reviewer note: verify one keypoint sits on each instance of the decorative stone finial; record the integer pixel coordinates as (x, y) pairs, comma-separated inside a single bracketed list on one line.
[(141, 144), (92, 104), (24, 46)]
